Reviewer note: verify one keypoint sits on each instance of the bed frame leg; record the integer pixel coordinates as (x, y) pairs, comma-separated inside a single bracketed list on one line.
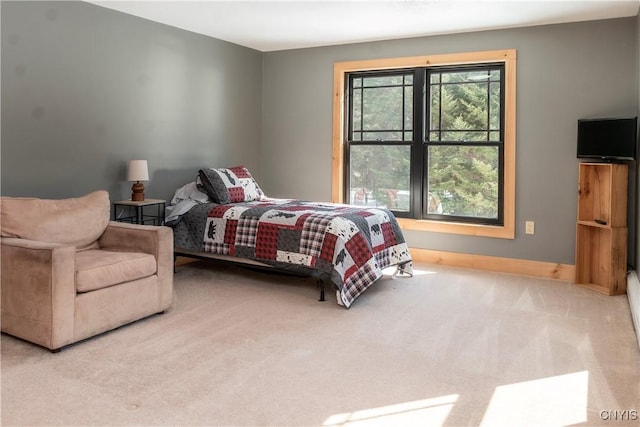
[(321, 286), (404, 268)]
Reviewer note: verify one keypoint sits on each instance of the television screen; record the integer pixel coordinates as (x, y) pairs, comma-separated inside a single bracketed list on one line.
[(609, 139)]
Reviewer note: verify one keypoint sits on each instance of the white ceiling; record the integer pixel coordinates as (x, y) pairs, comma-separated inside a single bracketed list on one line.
[(268, 25)]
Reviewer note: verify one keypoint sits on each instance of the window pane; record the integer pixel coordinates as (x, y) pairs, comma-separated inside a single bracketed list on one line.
[(465, 76), (494, 105), (408, 107), (382, 108), (434, 118), (464, 106), (379, 176), (357, 110), (383, 81), (463, 181)]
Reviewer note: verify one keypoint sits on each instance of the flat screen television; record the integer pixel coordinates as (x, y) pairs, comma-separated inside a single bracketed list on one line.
[(607, 139)]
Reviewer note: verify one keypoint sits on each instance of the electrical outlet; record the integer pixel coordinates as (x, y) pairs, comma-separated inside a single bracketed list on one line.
[(529, 227)]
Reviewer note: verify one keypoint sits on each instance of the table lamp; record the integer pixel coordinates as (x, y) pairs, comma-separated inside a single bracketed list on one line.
[(138, 171)]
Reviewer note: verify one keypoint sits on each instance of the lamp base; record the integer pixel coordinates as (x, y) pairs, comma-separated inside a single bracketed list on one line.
[(137, 194)]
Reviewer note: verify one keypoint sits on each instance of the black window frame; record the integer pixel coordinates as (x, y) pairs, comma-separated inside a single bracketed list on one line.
[(420, 142)]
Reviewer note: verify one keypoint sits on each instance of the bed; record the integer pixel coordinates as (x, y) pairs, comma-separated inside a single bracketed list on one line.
[(225, 215)]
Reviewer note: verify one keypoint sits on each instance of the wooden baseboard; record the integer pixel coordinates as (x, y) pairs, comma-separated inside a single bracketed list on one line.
[(548, 270)]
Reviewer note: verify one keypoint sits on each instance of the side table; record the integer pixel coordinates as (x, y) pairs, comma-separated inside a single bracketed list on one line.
[(148, 211)]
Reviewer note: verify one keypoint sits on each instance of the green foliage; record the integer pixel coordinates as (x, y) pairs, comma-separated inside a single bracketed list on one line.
[(465, 179)]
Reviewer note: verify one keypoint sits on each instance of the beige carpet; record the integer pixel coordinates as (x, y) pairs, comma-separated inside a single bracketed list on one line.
[(449, 347)]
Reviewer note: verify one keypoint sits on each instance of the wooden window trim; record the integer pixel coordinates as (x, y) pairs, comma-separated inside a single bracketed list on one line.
[(508, 57)]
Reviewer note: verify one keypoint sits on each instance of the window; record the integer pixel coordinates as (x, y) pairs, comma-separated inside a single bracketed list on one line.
[(435, 143), (380, 122), (464, 144)]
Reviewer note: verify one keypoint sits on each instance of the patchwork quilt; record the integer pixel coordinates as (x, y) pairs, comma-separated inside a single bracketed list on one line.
[(350, 245)]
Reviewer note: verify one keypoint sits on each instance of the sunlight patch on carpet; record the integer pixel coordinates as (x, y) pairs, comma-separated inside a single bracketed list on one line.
[(559, 400), (431, 412)]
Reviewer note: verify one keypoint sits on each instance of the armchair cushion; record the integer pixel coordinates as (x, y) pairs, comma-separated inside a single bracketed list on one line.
[(97, 269), (77, 221)]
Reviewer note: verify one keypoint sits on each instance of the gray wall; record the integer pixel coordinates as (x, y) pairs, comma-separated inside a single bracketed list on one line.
[(85, 89), (565, 72)]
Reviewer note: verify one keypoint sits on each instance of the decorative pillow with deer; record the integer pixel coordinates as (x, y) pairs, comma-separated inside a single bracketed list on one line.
[(229, 185)]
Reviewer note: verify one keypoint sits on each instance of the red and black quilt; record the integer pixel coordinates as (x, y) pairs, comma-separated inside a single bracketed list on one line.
[(349, 244)]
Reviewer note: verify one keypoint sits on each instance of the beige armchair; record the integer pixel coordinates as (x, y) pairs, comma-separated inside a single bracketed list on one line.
[(69, 273)]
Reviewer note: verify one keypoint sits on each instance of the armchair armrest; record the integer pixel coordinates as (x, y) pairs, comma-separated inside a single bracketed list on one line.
[(121, 236), (38, 291), (154, 240)]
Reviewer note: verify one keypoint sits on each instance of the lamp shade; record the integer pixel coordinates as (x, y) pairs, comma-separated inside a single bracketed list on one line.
[(138, 171)]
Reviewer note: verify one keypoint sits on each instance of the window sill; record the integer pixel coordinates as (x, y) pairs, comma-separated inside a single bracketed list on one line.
[(501, 232)]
